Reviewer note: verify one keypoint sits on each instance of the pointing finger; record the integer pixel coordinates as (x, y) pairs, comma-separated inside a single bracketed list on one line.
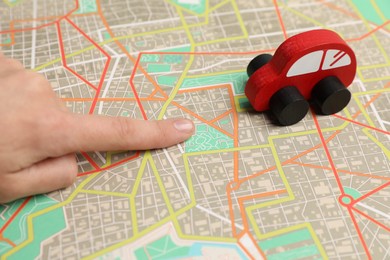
[(97, 133)]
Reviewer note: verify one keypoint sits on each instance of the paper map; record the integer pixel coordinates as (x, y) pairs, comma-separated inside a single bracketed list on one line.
[(241, 187)]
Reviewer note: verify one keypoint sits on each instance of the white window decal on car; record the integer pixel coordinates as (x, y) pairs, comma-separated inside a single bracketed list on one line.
[(307, 64), (336, 59)]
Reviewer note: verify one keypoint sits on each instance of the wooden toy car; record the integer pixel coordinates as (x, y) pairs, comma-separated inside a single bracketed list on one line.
[(316, 65)]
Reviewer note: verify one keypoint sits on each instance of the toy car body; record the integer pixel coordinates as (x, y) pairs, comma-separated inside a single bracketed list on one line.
[(303, 61)]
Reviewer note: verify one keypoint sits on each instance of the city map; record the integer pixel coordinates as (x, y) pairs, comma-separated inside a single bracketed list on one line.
[(241, 187)]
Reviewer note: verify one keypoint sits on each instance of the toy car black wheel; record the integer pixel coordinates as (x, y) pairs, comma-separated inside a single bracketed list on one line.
[(288, 105), (330, 95), (258, 62)]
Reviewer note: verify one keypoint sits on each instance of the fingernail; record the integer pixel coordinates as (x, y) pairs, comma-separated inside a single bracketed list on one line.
[(184, 125)]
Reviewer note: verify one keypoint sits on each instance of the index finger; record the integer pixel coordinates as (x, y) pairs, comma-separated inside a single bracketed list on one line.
[(98, 133)]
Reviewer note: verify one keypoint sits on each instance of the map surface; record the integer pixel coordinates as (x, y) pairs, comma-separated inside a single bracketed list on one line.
[(241, 187)]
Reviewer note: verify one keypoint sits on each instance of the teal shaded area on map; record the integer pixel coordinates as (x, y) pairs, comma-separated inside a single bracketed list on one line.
[(150, 58), (196, 6), (158, 68), (295, 237), (7, 41), (206, 138), (167, 80), (173, 58), (186, 48), (352, 192), (167, 58), (238, 79), (296, 253), (244, 103), (106, 36), (369, 12), (86, 6), (162, 62), (44, 226), (165, 248)]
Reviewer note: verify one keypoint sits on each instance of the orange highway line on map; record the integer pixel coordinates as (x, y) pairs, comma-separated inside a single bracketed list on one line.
[(229, 190), (368, 194), (370, 32), (136, 64), (242, 180), (146, 74), (46, 24), (124, 50), (90, 160), (341, 188), (346, 12), (244, 249), (8, 222), (310, 149), (12, 35), (136, 155), (235, 165), (373, 99), (371, 219), (204, 120), (201, 119), (359, 232), (241, 201), (64, 62), (235, 135), (237, 184), (211, 53), (6, 240), (253, 241), (120, 45), (343, 171), (387, 85), (363, 125), (132, 86), (328, 155), (112, 99), (369, 102), (12, 29), (106, 65), (280, 18), (332, 136), (154, 92), (63, 57), (52, 17), (231, 210), (221, 116)]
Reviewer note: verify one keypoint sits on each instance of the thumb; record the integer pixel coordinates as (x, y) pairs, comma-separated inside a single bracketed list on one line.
[(98, 133)]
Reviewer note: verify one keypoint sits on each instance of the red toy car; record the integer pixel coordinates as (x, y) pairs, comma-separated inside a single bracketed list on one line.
[(316, 65)]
